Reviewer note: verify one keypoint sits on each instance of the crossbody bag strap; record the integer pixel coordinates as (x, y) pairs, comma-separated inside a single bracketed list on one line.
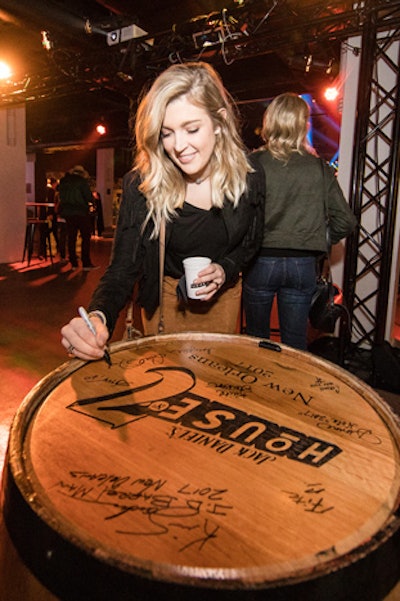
[(161, 273), (326, 211), (327, 230)]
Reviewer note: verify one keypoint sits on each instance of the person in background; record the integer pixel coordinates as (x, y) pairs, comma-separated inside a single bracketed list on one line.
[(192, 175), (75, 199), (61, 225), (47, 215), (294, 229), (96, 214)]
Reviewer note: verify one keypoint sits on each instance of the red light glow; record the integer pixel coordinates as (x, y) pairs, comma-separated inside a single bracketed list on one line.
[(101, 129), (5, 70), (331, 93)]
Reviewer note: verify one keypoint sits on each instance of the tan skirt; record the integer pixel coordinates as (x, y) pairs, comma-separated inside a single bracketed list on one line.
[(221, 314)]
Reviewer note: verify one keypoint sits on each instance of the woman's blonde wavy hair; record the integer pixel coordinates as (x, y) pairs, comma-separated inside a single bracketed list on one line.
[(285, 126), (162, 183)]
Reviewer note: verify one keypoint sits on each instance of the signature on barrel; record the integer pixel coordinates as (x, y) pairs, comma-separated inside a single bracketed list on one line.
[(187, 512)]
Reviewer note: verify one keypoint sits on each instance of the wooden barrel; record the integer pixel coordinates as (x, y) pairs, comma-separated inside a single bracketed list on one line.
[(201, 467)]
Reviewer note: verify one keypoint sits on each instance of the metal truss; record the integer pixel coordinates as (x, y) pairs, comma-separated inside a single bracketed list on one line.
[(375, 174)]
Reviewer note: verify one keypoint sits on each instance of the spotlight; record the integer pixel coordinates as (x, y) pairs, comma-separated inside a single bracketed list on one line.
[(124, 76), (331, 93), (113, 37), (46, 40), (328, 70), (209, 37), (131, 32), (5, 71), (101, 129)]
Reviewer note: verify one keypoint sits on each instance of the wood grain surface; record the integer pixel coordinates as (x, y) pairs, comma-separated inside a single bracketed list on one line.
[(202, 462)]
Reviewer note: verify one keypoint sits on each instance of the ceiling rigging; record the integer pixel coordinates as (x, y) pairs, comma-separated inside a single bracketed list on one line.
[(81, 60), (300, 34)]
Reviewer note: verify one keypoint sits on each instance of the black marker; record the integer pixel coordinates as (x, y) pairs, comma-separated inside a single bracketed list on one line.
[(83, 313), (272, 346)]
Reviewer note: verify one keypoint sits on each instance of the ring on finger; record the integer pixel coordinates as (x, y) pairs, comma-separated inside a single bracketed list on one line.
[(70, 349)]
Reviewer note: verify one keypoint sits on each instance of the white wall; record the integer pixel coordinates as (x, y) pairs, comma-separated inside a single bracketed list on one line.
[(105, 182), (13, 186), (30, 177)]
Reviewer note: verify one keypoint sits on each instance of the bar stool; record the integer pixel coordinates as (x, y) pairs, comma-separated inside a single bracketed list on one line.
[(32, 225)]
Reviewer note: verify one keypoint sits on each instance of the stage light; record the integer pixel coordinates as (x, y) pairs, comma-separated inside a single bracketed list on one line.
[(209, 37), (331, 93), (101, 129), (5, 71), (113, 37), (131, 32), (124, 76), (46, 40), (329, 67)]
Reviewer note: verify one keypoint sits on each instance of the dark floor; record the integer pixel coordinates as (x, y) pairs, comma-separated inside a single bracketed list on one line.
[(35, 302)]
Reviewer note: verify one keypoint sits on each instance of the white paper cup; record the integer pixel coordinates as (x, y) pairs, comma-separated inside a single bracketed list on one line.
[(192, 266)]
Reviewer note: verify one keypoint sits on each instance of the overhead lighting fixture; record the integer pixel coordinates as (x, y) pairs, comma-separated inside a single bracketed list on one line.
[(46, 40), (328, 70), (101, 129), (331, 93), (131, 32), (124, 76), (210, 37), (113, 37), (5, 71)]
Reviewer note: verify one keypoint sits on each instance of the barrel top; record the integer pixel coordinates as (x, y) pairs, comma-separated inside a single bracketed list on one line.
[(201, 457)]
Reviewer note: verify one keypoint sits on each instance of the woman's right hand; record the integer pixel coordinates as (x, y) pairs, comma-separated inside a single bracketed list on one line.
[(79, 341)]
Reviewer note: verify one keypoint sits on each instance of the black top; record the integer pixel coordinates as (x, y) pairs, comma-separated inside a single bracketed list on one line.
[(195, 232)]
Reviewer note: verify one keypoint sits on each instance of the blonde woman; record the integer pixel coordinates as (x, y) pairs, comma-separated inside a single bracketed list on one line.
[(191, 172), (294, 229)]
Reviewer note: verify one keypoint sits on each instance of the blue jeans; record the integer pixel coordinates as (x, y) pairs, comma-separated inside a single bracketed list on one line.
[(293, 281)]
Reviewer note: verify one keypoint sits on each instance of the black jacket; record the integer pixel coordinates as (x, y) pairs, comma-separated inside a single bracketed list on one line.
[(75, 195), (135, 256)]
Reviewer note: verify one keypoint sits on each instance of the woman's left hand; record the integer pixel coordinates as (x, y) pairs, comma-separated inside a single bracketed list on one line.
[(214, 277)]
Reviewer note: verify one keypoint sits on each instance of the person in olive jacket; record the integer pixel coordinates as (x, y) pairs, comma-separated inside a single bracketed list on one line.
[(295, 225), (192, 175)]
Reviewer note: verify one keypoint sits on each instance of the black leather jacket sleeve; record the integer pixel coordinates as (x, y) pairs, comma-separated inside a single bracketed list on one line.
[(245, 225), (126, 265)]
